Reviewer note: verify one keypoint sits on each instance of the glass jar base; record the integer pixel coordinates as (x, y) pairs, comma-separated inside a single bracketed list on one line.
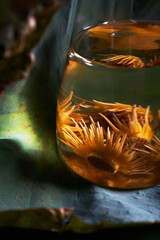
[(105, 178)]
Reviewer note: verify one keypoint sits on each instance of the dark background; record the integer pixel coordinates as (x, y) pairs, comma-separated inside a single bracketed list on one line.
[(130, 233)]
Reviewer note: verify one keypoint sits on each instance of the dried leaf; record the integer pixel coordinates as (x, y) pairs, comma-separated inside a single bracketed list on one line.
[(17, 59), (41, 218)]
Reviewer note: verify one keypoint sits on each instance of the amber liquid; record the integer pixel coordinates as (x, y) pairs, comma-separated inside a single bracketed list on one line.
[(112, 62)]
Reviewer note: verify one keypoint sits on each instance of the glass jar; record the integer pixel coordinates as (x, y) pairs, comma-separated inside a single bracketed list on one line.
[(108, 117)]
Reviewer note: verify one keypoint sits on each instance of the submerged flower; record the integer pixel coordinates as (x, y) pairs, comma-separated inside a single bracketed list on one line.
[(154, 149), (124, 61), (65, 111), (103, 149), (128, 148), (134, 128), (121, 110)]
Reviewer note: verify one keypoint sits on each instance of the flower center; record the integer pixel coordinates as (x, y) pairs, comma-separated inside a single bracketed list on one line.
[(102, 164)]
